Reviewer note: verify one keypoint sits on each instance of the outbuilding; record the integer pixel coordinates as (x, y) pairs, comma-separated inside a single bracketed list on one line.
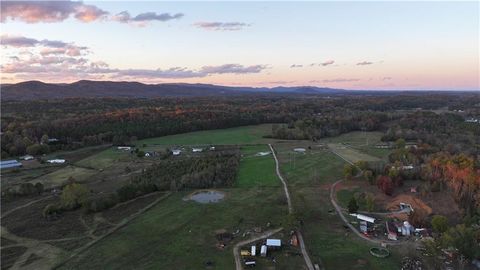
[(56, 161), (6, 164), (197, 150), (176, 152), (253, 250), (124, 148), (27, 157), (263, 251), (300, 150), (274, 243)]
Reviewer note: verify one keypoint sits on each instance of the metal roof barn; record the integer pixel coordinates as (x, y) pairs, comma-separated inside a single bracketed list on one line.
[(10, 164), (274, 242)]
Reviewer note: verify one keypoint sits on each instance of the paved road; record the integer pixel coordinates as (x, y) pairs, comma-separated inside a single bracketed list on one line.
[(306, 257), (236, 248)]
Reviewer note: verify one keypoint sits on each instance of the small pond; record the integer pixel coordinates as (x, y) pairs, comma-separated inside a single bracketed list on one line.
[(205, 196)]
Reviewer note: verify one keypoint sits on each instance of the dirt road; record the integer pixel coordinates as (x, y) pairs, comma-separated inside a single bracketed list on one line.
[(306, 257), (345, 220), (236, 248)]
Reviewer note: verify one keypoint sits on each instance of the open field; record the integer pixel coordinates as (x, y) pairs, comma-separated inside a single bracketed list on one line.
[(256, 170), (310, 177), (238, 135), (361, 141), (351, 154), (103, 159), (59, 177), (179, 234)]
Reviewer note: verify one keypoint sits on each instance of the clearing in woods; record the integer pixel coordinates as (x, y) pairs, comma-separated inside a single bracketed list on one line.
[(254, 167), (238, 135)]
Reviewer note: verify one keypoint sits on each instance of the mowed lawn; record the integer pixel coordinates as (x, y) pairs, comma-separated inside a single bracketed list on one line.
[(256, 170), (238, 135), (351, 154), (178, 234)]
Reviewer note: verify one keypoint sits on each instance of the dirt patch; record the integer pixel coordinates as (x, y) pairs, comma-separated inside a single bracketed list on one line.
[(29, 222), (10, 255), (416, 203)]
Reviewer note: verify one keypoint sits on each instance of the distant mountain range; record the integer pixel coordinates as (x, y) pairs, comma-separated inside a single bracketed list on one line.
[(39, 90)]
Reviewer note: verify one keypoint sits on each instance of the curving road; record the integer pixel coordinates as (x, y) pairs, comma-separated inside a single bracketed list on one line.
[(306, 257), (345, 220)]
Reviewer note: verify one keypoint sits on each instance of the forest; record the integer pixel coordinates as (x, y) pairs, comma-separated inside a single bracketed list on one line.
[(42, 126)]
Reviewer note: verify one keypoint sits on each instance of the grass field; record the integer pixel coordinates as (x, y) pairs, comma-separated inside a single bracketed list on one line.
[(59, 177), (256, 170), (238, 135), (179, 234), (309, 178), (351, 154), (103, 159)]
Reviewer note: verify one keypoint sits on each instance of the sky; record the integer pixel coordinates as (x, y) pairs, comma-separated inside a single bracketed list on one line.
[(349, 45)]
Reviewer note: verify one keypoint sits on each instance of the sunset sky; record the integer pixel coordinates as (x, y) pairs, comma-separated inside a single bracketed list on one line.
[(351, 45)]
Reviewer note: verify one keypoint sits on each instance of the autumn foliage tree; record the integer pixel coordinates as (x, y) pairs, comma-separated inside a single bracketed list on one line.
[(385, 184)]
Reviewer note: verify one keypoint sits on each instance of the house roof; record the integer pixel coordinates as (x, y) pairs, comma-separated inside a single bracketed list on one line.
[(9, 164)]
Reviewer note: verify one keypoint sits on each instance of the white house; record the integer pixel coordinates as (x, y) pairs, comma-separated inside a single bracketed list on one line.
[(26, 157), (176, 152), (56, 161), (197, 150)]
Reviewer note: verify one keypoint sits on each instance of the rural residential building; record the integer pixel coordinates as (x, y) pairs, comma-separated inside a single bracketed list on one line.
[(197, 150), (176, 152), (124, 148), (27, 157)]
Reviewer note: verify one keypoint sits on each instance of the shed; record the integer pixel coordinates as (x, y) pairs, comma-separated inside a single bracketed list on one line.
[(253, 250), (263, 251), (364, 218), (176, 152), (125, 148), (10, 164), (299, 150), (57, 161), (274, 242), (27, 157), (196, 150)]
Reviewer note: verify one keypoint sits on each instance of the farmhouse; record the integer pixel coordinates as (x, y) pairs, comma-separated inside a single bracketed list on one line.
[(391, 231), (10, 164), (56, 161), (26, 157), (176, 152), (197, 150)]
